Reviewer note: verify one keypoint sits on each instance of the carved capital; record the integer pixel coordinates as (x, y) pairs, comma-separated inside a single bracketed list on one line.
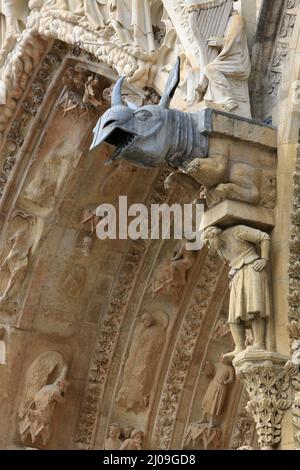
[(267, 378)]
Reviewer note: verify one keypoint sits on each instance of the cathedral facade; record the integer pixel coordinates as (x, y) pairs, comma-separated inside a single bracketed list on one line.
[(122, 342)]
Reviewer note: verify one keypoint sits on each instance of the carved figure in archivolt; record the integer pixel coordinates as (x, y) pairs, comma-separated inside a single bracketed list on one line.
[(250, 304), (135, 442), (145, 352), (45, 387), (112, 442), (130, 19), (17, 259), (228, 74), (215, 396), (12, 21), (171, 276), (73, 282)]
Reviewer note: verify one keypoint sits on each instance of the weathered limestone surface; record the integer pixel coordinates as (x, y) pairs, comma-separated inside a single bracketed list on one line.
[(119, 344)]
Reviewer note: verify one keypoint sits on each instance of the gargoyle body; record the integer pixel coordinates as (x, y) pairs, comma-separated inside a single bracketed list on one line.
[(150, 135)]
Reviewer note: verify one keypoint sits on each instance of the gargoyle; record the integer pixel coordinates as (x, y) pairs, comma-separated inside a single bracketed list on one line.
[(150, 135)]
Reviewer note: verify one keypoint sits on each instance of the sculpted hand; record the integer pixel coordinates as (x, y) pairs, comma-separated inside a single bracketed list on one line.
[(215, 42), (259, 265)]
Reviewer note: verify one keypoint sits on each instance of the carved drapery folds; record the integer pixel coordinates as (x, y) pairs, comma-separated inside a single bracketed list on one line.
[(122, 35), (45, 387)]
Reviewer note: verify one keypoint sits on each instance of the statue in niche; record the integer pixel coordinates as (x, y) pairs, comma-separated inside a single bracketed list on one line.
[(135, 442), (45, 387), (215, 396), (228, 74), (172, 275), (112, 442), (249, 304), (17, 259), (139, 371)]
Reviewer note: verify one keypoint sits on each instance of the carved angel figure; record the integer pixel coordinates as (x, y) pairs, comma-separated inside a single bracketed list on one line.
[(40, 396)]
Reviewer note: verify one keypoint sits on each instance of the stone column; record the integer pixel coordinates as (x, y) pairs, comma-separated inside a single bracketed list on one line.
[(267, 377)]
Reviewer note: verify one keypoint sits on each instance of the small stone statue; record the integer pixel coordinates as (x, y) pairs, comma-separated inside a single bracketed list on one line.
[(249, 291), (37, 420), (214, 398), (112, 442), (135, 442), (16, 261), (172, 275), (143, 358)]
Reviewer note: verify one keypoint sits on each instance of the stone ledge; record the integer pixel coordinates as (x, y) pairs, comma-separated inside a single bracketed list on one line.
[(259, 358), (229, 213)]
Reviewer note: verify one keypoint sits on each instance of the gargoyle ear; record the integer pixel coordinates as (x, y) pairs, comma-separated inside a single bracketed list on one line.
[(116, 96), (172, 84)]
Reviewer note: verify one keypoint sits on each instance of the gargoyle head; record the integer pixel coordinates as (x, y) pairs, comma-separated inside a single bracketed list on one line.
[(141, 135)]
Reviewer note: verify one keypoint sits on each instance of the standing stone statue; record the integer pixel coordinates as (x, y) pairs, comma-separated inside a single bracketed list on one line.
[(143, 358), (214, 398), (250, 303), (228, 74), (16, 261), (120, 16)]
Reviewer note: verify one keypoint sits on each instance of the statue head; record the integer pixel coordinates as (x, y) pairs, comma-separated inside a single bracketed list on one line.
[(212, 238), (114, 431), (141, 135), (137, 436), (148, 320), (127, 430), (87, 245)]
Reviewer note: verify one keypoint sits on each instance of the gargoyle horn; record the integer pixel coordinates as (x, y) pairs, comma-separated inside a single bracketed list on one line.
[(116, 97), (172, 84)]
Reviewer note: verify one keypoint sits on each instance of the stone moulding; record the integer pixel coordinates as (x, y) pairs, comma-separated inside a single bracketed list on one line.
[(294, 295), (183, 353)]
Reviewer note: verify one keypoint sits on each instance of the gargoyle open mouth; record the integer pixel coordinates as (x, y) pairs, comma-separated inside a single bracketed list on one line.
[(121, 139)]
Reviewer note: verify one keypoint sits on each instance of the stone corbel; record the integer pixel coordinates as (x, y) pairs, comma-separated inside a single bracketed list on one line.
[(267, 377)]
